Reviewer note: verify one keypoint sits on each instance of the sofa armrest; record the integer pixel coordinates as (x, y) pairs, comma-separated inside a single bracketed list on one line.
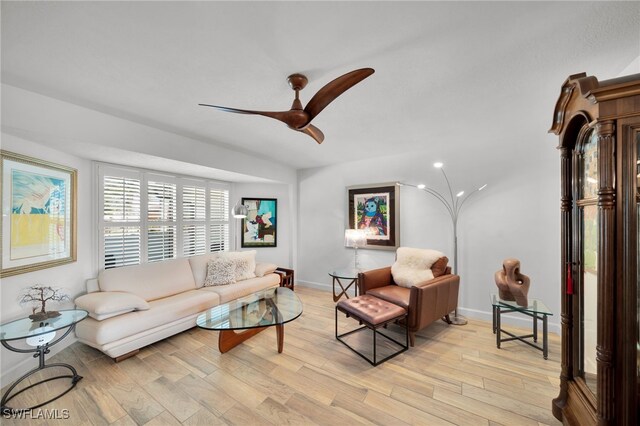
[(433, 299), (106, 304), (374, 278)]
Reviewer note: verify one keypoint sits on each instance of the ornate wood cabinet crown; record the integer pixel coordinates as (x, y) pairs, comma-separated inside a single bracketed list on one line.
[(598, 123)]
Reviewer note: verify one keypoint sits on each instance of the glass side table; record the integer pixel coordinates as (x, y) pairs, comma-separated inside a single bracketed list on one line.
[(351, 274), (41, 335), (536, 310)]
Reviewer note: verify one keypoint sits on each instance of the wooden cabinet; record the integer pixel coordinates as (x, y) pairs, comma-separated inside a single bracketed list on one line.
[(598, 123)]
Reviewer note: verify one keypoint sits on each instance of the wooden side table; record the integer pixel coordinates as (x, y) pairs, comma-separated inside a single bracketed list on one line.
[(286, 277)]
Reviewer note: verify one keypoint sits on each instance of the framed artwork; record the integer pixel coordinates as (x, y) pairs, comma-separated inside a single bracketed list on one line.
[(376, 210), (38, 214), (260, 227)]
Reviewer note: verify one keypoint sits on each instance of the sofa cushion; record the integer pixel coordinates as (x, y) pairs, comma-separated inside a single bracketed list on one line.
[(220, 272), (243, 288), (250, 255), (106, 304), (199, 266), (150, 281), (392, 293), (413, 266), (263, 269), (162, 311)]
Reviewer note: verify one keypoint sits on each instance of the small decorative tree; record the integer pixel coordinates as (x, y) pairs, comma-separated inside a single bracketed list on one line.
[(38, 296)]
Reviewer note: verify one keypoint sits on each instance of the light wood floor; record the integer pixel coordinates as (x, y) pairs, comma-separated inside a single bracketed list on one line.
[(454, 375)]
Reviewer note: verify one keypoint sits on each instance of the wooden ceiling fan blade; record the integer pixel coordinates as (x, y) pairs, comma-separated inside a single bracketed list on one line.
[(314, 132), (335, 88), (284, 116)]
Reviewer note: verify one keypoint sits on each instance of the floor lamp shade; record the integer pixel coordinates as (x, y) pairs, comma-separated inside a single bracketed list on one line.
[(239, 211)]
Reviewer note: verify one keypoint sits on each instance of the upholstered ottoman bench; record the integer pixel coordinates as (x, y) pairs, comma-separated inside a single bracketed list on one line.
[(374, 313)]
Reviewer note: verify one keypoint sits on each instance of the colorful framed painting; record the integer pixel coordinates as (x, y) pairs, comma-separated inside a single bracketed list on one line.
[(376, 210), (38, 214), (260, 227)]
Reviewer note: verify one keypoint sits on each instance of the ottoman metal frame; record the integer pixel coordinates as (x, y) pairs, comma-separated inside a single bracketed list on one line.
[(374, 328)]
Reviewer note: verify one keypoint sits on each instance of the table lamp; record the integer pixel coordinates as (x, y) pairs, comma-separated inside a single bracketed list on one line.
[(355, 238)]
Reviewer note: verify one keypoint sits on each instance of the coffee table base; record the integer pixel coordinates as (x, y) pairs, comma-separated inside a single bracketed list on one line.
[(229, 339)]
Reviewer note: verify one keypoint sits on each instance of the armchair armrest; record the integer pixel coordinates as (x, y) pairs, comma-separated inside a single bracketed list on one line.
[(375, 278), (433, 299)]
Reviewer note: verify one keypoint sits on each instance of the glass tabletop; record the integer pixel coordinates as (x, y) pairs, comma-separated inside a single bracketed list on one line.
[(535, 306), (347, 273), (274, 306), (25, 327)]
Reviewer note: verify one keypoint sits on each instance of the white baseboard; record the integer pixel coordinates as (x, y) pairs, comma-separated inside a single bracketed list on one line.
[(322, 286), (29, 363)]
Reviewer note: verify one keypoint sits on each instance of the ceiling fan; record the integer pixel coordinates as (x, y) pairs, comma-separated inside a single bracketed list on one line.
[(298, 118)]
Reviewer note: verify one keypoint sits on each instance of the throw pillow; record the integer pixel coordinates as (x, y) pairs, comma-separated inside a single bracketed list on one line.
[(413, 266), (241, 268), (106, 304), (440, 266), (250, 255), (220, 272)]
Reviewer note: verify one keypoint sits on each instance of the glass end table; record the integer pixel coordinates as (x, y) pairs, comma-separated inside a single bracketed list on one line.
[(41, 335), (339, 274), (536, 310)]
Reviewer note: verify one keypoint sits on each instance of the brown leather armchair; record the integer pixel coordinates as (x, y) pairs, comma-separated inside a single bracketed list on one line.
[(426, 302)]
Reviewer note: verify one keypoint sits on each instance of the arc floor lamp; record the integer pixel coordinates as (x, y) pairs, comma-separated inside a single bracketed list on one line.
[(453, 204)]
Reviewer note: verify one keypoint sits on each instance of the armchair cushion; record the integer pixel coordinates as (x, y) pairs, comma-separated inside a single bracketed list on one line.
[(413, 266), (392, 293), (440, 267), (107, 304)]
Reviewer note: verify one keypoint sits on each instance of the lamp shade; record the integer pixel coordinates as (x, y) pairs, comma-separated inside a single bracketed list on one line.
[(239, 211), (354, 238)]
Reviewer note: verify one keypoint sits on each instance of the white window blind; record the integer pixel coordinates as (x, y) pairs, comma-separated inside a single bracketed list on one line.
[(121, 199), (219, 217), (194, 240), (121, 246), (193, 203), (149, 216), (162, 201)]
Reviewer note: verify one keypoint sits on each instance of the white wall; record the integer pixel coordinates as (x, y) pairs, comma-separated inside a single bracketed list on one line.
[(517, 215), (282, 254), (71, 276)]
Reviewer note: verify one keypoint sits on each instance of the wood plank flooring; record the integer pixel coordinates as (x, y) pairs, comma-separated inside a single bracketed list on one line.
[(454, 375)]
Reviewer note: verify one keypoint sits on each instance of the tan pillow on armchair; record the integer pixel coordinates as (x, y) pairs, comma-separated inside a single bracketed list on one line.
[(440, 266)]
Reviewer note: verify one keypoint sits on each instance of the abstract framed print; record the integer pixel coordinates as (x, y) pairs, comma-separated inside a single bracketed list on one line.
[(38, 214), (376, 210), (260, 227)]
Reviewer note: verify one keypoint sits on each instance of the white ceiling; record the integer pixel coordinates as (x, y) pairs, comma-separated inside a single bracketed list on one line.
[(449, 76)]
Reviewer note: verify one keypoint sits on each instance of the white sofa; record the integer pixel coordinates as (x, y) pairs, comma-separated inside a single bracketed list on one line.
[(133, 306)]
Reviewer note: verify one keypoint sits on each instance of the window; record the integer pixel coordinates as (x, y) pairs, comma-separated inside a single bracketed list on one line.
[(148, 216)]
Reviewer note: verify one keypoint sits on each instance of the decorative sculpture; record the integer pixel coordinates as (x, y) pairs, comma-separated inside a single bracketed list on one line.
[(37, 296), (512, 285)]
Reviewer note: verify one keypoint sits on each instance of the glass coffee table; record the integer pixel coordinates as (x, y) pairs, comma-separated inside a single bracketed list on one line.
[(242, 318)]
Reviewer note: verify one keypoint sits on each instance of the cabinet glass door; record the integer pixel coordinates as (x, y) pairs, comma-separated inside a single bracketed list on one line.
[(587, 255)]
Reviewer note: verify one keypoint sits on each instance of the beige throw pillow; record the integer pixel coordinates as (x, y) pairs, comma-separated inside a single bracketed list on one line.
[(249, 255), (220, 272)]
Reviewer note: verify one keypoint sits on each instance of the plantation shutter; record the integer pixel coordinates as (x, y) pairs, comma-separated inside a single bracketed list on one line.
[(194, 205), (219, 220), (121, 214), (162, 216)]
